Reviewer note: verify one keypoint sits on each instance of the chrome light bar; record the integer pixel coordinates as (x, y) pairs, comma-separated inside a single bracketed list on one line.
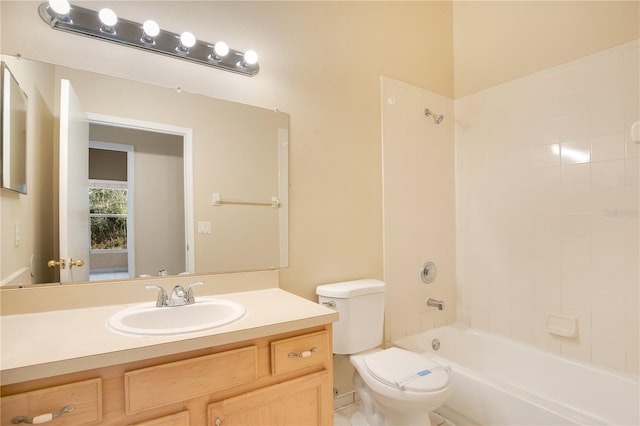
[(87, 22)]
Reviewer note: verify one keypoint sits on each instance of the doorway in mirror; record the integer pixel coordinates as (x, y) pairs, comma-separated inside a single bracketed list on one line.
[(139, 220)]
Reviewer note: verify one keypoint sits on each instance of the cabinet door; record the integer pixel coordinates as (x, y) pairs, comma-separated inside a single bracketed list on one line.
[(303, 401)]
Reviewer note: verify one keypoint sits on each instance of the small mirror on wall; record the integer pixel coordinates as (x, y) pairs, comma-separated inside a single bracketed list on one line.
[(14, 133)]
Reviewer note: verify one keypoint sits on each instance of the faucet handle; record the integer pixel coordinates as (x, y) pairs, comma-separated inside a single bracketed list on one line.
[(163, 299), (189, 297)]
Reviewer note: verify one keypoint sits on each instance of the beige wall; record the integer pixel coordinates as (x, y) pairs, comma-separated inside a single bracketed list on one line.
[(320, 62), (33, 211), (107, 164), (499, 41)]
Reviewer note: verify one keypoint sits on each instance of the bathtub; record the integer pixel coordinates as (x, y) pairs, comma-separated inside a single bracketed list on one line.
[(497, 381)]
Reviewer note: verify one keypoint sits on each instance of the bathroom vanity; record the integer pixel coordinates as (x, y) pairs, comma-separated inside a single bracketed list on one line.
[(272, 366)]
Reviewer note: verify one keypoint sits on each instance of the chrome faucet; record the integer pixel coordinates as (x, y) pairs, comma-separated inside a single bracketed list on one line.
[(435, 303), (179, 296)]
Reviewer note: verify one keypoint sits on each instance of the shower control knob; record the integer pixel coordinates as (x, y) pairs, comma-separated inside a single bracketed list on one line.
[(428, 272)]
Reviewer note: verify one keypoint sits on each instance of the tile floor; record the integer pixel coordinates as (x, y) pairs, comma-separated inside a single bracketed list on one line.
[(351, 415)]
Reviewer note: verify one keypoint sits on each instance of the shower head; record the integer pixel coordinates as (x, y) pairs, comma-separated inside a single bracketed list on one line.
[(437, 118)]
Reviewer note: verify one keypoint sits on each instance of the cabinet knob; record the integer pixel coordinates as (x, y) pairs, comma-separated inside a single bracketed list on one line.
[(217, 421)]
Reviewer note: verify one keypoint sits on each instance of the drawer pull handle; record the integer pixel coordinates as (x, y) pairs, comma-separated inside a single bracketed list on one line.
[(43, 418), (305, 354)]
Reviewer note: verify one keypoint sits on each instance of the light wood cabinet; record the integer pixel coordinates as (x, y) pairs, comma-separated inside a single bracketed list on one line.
[(157, 386), (285, 379), (298, 402), (177, 419), (295, 353), (83, 399)]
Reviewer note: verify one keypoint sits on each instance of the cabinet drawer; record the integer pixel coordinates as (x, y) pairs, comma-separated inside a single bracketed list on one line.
[(85, 397), (300, 352), (164, 384)]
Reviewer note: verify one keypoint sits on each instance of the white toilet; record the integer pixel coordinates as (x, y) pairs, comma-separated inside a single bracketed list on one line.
[(395, 386)]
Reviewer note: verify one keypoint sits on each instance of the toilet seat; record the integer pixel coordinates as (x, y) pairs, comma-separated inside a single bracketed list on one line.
[(405, 370)]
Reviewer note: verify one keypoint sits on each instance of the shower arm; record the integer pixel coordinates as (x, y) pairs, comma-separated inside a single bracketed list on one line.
[(437, 118)]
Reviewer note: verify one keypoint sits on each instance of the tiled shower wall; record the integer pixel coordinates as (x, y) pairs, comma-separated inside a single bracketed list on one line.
[(547, 207), (419, 207)]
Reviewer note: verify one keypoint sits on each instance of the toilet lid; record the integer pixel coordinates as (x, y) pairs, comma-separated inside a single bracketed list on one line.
[(407, 370)]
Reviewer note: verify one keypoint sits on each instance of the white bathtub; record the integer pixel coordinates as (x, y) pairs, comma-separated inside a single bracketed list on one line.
[(497, 381)]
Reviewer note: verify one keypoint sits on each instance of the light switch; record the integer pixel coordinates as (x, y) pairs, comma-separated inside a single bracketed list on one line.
[(204, 227)]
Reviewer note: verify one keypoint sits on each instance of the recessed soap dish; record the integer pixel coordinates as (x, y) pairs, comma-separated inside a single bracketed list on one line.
[(561, 325)]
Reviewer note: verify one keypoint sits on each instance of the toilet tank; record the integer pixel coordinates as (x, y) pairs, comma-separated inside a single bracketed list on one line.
[(360, 304)]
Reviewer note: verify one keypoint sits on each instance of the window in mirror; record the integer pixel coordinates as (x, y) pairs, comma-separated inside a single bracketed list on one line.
[(108, 219), (108, 214)]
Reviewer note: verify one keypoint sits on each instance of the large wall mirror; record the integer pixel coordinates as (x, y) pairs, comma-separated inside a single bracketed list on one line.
[(173, 183)]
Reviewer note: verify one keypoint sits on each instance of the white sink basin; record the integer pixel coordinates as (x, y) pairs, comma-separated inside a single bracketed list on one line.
[(147, 319)]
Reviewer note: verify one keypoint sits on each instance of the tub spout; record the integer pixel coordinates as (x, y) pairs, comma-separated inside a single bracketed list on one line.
[(435, 303)]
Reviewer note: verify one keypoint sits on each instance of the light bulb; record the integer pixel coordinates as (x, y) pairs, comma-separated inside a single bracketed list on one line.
[(108, 17), (150, 28), (221, 49), (250, 57), (61, 7), (187, 39)]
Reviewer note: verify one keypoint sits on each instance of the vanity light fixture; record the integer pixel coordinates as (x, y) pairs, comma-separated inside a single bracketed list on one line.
[(108, 20), (220, 50), (187, 41), (250, 59), (106, 25), (150, 30), (60, 7)]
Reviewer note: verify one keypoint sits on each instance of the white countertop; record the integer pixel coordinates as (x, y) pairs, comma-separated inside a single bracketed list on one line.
[(45, 344)]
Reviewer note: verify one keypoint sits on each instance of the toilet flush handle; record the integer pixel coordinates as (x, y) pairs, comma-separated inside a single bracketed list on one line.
[(330, 304)]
